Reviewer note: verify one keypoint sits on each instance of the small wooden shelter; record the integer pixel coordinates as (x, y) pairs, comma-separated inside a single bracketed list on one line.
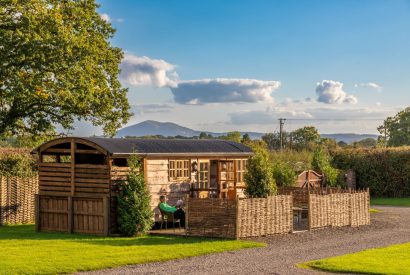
[(78, 177)]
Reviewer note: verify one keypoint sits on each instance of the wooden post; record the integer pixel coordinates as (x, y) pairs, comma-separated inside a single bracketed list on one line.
[(237, 218), (37, 211), (186, 214), (73, 167), (70, 214), (309, 212), (106, 216)]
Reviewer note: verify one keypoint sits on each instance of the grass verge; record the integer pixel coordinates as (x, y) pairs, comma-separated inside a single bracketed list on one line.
[(386, 260), (372, 210), (390, 201), (25, 251)]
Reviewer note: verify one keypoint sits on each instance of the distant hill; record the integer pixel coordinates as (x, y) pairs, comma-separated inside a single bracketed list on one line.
[(152, 127)]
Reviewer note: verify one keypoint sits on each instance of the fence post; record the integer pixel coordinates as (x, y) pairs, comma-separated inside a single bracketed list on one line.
[(70, 214), (106, 216), (37, 211), (237, 218), (186, 213), (309, 211)]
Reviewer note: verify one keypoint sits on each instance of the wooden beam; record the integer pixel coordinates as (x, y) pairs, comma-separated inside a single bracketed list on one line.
[(73, 148), (68, 151)]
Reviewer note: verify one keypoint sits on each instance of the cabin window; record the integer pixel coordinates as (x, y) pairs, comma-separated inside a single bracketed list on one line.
[(49, 159), (120, 162), (203, 175), (240, 169), (179, 169)]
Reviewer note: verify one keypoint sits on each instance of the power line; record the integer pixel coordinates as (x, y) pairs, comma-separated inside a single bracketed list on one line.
[(338, 119)]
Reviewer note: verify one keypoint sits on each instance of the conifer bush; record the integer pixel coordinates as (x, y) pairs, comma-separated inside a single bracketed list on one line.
[(259, 176), (135, 215)]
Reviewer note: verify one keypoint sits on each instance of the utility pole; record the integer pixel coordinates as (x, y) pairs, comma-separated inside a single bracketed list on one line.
[(281, 123)]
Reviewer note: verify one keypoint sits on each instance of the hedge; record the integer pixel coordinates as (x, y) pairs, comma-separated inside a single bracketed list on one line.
[(17, 162), (386, 171)]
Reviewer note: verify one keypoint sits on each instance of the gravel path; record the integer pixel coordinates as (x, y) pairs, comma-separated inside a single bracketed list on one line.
[(391, 226)]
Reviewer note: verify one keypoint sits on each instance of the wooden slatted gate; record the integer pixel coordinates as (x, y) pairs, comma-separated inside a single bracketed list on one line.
[(73, 214)]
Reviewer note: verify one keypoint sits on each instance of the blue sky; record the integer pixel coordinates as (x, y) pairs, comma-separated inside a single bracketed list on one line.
[(225, 65)]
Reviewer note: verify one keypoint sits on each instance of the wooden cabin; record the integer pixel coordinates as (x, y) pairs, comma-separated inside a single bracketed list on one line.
[(78, 177)]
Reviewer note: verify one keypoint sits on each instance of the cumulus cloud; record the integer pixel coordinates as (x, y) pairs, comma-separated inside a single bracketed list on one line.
[(220, 90), (144, 71), (331, 92), (370, 85), (105, 17)]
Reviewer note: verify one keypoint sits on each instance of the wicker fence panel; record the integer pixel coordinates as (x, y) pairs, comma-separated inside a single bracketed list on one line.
[(211, 218), (319, 209), (339, 214), (265, 216), (360, 208), (339, 209), (17, 196)]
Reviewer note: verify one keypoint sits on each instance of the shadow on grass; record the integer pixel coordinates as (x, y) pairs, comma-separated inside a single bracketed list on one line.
[(27, 232)]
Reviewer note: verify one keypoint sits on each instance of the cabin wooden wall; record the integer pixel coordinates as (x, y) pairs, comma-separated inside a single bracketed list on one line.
[(156, 173)]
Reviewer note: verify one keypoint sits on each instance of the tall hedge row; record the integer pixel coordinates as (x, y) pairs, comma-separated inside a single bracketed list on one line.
[(385, 171)]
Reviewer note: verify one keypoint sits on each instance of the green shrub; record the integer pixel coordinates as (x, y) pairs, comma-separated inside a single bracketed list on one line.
[(259, 176), (284, 173), (17, 162), (322, 162), (386, 171), (299, 160), (135, 215)]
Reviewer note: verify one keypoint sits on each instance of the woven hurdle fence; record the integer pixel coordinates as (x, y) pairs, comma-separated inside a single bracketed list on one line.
[(211, 217), (17, 199), (265, 216), (350, 208), (241, 218)]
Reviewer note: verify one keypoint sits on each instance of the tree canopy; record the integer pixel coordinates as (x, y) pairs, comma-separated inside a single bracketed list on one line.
[(397, 129), (58, 66)]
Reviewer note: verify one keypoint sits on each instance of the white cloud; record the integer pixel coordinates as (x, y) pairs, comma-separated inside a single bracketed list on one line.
[(120, 20), (370, 85), (144, 71), (141, 109), (221, 90), (105, 17), (331, 92), (269, 116)]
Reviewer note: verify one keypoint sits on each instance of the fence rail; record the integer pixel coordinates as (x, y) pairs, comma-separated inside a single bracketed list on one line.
[(17, 199)]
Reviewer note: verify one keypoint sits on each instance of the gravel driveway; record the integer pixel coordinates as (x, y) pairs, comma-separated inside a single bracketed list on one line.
[(391, 226)]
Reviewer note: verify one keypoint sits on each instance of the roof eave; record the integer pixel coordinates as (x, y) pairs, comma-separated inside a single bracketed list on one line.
[(205, 154)]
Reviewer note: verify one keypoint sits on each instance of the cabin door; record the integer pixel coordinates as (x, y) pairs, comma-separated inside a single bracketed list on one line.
[(226, 179)]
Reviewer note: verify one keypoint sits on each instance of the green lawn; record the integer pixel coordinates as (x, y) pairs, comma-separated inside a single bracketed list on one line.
[(22, 250), (387, 260), (390, 201)]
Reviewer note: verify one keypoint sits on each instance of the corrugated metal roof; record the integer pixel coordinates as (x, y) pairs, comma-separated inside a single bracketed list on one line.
[(170, 146)]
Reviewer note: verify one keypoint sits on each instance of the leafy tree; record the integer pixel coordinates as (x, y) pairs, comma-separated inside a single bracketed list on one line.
[(259, 177), (305, 138), (397, 128), (204, 135), (246, 138), (232, 136), (284, 174), (321, 162), (58, 66), (365, 143), (135, 215), (342, 144), (272, 140)]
